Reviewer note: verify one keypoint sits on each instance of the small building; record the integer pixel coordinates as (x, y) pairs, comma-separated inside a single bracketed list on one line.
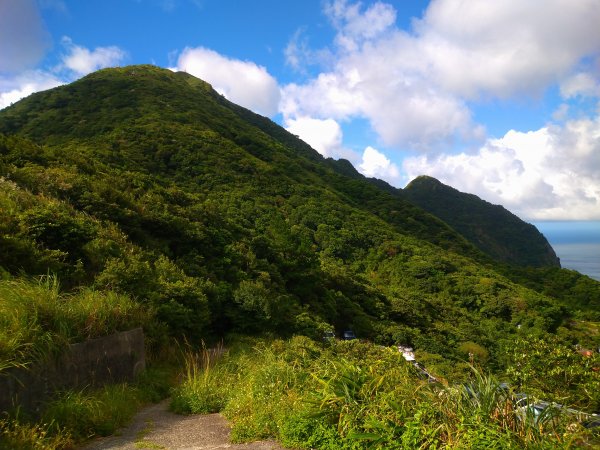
[(407, 352)]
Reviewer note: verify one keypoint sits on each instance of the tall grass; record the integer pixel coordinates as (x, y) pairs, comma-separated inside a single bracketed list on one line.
[(22, 335), (88, 413), (353, 395), (15, 434), (36, 318), (203, 389)]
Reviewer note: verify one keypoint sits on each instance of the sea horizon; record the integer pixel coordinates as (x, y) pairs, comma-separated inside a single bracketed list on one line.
[(576, 243)]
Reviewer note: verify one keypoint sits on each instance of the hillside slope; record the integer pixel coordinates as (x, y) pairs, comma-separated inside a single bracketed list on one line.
[(143, 118), (492, 228), (148, 182)]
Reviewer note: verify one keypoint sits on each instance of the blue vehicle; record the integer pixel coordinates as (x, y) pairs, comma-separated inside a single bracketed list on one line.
[(348, 335)]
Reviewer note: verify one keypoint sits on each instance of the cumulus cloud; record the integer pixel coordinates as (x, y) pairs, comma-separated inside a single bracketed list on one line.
[(299, 55), (242, 82), (76, 62), (379, 74), (296, 50), (325, 136), (330, 95), (583, 84), (415, 87), (508, 47), (550, 173), (376, 164), (14, 89), (82, 61), (354, 26), (23, 37)]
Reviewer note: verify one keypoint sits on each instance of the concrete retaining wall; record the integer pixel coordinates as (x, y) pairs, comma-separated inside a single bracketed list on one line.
[(115, 358)]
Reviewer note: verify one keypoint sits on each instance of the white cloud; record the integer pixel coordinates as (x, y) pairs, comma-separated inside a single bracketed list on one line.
[(296, 50), (561, 113), (355, 26), (14, 89), (77, 61), (376, 164), (329, 95), (298, 54), (23, 37), (242, 82), (415, 87), (325, 136), (582, 84), (509, 47), (551, 173), (82, 61)]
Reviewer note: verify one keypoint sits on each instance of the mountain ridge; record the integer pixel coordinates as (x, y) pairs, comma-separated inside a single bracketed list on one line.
[(498, 247), (149, 183), (58, 122), (491, 228)]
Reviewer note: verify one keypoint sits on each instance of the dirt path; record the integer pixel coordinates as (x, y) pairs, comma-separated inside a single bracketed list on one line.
[(155, 427)]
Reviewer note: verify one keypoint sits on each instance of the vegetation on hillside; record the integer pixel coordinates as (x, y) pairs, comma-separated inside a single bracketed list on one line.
[(145, 188), (353, 395), (491, 228), (287, 257)]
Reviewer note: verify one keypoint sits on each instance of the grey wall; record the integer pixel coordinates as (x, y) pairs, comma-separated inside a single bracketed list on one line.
[(115, 358)]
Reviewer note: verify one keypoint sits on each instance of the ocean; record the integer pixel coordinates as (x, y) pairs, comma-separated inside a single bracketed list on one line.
[(576, 243)]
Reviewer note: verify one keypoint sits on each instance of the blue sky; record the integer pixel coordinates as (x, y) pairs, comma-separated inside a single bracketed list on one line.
[(500, 99)]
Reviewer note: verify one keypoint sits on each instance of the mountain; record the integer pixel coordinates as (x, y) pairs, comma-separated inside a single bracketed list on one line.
[(147, 119), (148, 182), (491, 228)]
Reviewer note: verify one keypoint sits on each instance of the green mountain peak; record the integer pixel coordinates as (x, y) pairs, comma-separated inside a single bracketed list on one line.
[(492, 228), (149, 183)]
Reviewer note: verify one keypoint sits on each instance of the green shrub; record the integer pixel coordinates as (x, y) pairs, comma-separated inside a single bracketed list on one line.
[(354, 395), (89, 413)]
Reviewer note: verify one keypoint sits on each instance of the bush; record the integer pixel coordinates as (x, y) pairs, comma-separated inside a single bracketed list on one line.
[(355, 395), (74, 416)]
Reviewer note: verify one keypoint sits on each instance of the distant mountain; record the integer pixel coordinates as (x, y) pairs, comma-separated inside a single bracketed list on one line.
[(491, 228), (150, 183)]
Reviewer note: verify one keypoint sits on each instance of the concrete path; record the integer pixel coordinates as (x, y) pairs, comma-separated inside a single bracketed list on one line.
[(155, 427)]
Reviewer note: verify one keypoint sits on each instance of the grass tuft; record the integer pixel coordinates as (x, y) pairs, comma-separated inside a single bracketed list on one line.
[(202, 390), (15, 434)]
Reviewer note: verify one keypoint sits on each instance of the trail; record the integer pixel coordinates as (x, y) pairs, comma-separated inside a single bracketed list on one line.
[(155, 427)]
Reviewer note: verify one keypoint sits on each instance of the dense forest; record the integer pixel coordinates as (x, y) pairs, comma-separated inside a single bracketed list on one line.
[(145, 184), (489, 227)]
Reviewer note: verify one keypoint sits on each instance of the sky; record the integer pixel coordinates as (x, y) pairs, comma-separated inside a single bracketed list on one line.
[(496, 98)]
